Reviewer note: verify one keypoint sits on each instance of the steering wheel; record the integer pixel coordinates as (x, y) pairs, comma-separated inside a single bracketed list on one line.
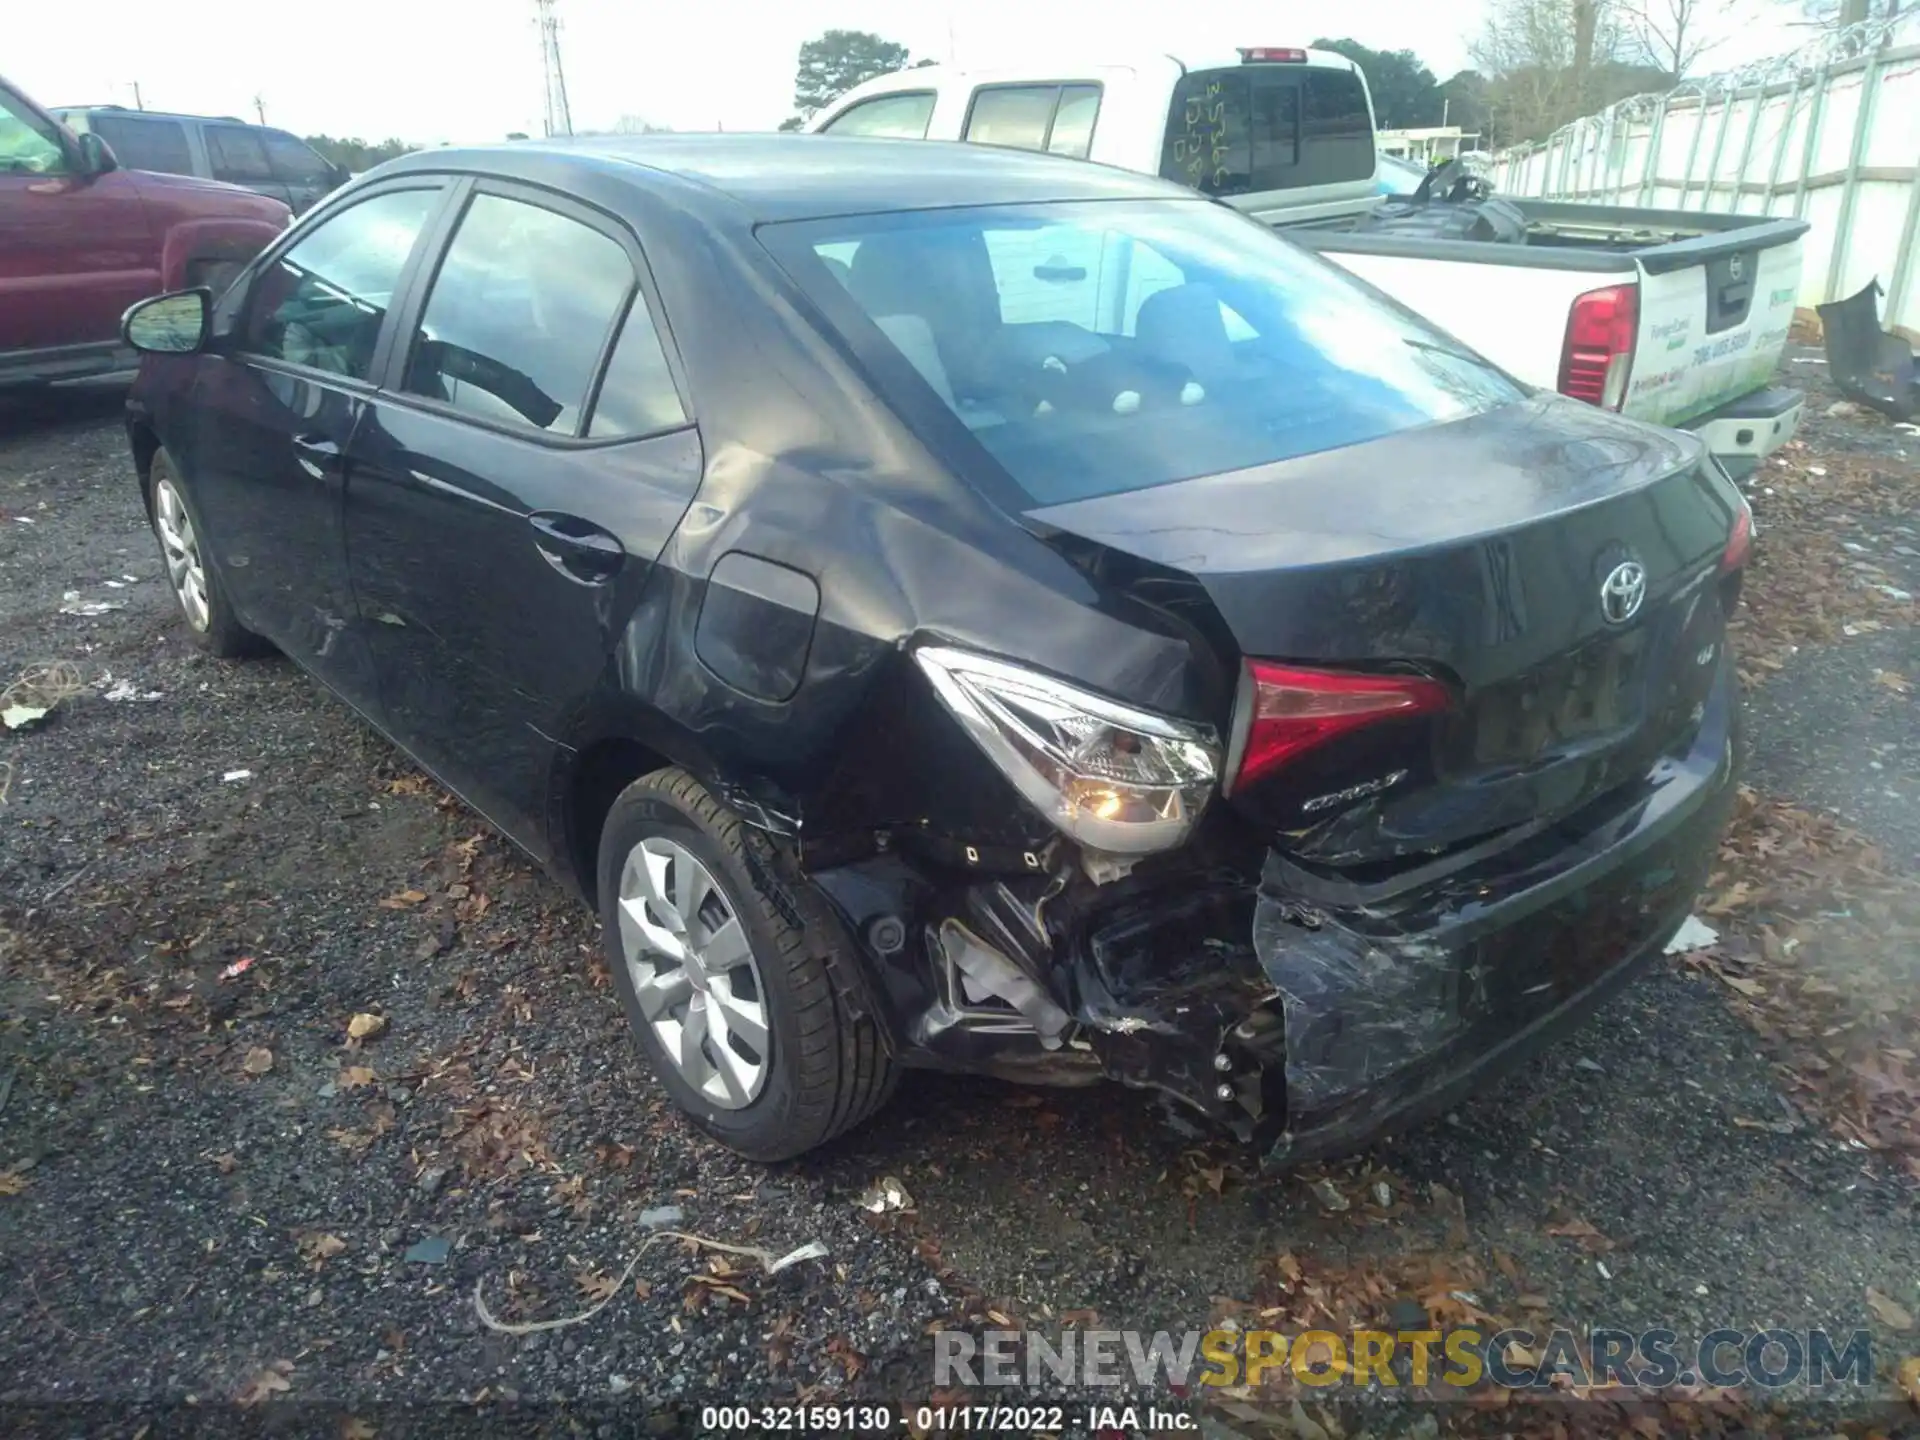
[(1451, 183)]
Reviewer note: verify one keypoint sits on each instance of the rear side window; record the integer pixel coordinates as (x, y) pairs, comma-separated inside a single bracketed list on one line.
[(895, 117), (1056, 118), (637, 397), (237, 155), (1254, 128), (321, 304), (519, 316), (145, 144), (294, 161)]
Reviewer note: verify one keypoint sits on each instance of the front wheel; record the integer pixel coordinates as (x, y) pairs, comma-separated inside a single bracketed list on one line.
[(723, 974)]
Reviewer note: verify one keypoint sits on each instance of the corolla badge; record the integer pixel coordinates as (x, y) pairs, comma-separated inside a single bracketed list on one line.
[(1622, 591)]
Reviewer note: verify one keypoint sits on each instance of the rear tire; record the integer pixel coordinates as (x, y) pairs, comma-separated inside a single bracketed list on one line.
[(195, 584), (816, 1070)]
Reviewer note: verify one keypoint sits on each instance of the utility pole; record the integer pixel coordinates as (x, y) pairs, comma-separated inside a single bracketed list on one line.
[(260, 109), (138, 103), (558, 116)]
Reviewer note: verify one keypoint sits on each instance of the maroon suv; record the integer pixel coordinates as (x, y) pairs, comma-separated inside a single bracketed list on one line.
[(81, 240)]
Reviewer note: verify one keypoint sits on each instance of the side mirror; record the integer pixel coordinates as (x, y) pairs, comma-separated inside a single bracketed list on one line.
[(95, 156), (173, 324)]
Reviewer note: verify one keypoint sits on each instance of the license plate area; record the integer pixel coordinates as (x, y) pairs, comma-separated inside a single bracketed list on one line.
[(1585, 694)]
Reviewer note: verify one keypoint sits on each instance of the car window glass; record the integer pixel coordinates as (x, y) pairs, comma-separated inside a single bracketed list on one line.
[(1207, 126), (900, 117), (518, 314), (1337, 141), (27, 145), (322, 302), (158, 145), (637, 396), (294, 161), (1097, 347), (1014, 115), (237, 155), (1073, 121)]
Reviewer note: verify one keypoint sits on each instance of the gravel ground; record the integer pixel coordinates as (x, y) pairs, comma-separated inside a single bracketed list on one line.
[(218, 1190)]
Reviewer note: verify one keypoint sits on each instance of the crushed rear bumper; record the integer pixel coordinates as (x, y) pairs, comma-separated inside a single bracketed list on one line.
[(1744, 433)]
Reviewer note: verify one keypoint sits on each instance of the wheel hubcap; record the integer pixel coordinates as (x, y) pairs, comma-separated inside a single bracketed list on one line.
[(694, 973), (181, 549)]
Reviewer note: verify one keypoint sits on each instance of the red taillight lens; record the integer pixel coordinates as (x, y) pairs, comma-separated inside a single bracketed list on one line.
[(1740, 542), (1295, 710), (1599, 349), (1269, 53)]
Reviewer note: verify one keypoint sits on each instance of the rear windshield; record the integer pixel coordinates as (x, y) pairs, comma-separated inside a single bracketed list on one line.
[(1099, 347), (1247, 129)]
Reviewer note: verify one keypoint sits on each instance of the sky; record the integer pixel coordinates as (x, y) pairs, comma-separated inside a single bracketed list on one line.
[(469, 70)]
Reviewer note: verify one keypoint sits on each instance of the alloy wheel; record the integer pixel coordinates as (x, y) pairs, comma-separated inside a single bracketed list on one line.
[(180, 547), (694, 972)]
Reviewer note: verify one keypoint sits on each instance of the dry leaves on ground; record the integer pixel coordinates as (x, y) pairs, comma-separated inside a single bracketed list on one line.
[(264, 1384)]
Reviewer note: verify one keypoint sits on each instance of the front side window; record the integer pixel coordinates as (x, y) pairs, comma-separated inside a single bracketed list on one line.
[(1092, 348), (894, 117), (321, 304), (519, 315), (237, 155), (28, 146), (293, 161), (158, 145), (1073, 121)]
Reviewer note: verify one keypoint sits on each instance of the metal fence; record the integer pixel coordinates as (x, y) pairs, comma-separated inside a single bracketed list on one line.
[(1830, 134)]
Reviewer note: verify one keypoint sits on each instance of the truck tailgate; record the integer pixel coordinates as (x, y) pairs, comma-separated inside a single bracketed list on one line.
[(1714, 316)]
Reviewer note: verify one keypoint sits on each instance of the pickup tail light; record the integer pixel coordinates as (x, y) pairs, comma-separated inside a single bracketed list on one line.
[(1285, 711), (1739, 541), (1270, 54), (1114, 778), (1598, 354)]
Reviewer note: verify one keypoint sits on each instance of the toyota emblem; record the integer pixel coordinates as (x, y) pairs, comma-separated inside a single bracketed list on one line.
[(1622, 591)]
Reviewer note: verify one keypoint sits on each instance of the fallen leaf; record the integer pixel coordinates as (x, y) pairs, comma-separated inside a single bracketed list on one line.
[(1909, 1378), (12, 1182), (1750, 988), (1578, 1229), (366, 1026), (354, 1077), (266, 1383), (405, 900), (259, 1060), (1889, 1311), (225, 1163), (1518, 1354), (317, 1248), (352, 1427), (596, 1285)]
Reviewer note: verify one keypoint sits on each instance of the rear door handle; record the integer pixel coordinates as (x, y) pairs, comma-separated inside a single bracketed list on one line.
[(576, 547), (318, 455)]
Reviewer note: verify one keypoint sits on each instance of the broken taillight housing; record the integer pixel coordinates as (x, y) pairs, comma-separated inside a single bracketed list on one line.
[(1284, 711), (1739, 542), (1598, 353), (1109, 776)]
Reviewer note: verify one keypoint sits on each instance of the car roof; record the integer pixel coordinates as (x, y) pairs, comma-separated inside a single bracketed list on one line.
[(1070, 65), (133, 114), (793, 177)]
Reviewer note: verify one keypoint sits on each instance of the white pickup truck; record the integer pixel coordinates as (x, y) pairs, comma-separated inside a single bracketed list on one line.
[(1679, 318)]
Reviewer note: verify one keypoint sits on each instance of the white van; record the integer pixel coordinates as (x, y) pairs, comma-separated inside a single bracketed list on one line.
[(1284, 134)]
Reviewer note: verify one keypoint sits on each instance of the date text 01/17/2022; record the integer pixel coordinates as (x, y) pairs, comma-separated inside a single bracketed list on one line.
[(937, 1419)]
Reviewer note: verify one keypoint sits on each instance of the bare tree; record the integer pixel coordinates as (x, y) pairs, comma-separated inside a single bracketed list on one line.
[(1675, 35), (1542, 60)]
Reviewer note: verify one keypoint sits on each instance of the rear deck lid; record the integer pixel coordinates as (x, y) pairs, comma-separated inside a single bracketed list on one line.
[(1554, 567)]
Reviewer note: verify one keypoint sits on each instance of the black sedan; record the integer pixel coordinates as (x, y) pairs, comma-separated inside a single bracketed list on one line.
[(960, 608)]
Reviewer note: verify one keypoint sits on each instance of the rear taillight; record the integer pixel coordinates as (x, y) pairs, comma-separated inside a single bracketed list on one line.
[(1287, 711), (1599, 349), (1739, 542), (1269, 54)]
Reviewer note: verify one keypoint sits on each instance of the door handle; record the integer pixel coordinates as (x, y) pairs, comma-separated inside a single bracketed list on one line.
[(318, 455), (576, 547)]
